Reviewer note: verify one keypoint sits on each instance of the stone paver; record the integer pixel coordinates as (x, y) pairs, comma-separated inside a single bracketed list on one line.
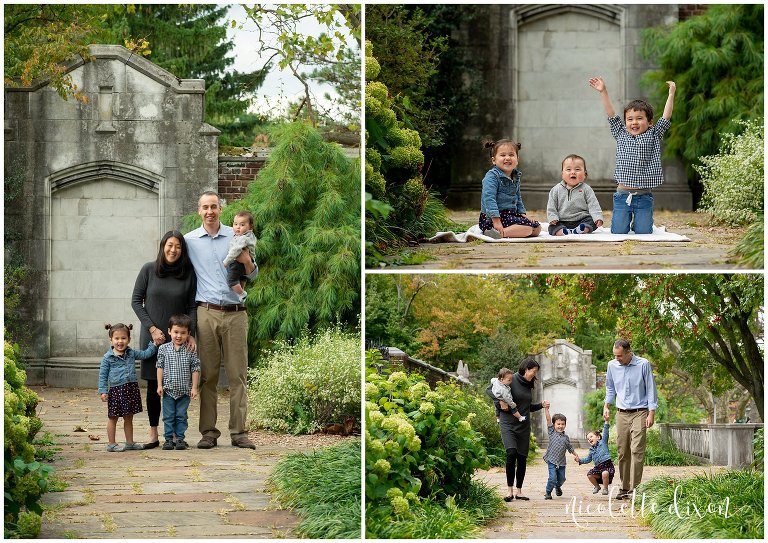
[(217, 493), (577, 514), (708, 249)]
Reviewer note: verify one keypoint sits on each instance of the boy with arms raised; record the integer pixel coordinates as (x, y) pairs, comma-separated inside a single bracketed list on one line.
[(638, 159)]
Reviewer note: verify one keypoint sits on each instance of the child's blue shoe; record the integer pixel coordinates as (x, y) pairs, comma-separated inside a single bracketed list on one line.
[(114, 447), (582, 229), (133, 447)]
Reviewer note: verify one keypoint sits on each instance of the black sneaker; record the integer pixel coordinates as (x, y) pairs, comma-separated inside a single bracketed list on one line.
[(559, 491), (181, 445), (168, 445), (547, 496)]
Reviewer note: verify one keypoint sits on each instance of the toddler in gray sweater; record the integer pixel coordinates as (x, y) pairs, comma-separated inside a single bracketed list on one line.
[(572, 207), (244, 237)]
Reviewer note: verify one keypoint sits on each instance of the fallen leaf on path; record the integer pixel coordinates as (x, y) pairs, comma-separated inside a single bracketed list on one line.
[(79, 429), (93, 437)]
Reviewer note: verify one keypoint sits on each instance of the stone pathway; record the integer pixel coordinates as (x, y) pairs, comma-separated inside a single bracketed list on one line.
[(577, 514), (217, 493), (708, 250)]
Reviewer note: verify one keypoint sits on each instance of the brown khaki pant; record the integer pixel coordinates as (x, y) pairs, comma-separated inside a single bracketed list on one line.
[(222, 338), (630, 439)]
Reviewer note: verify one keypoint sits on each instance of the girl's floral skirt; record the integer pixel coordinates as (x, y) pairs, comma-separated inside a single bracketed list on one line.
[(508, 218), (124, 400), (598, 470)]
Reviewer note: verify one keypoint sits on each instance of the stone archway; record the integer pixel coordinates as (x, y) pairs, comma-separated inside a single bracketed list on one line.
[(104, 224)]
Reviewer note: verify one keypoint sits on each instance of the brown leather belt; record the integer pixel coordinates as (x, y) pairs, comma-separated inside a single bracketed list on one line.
[(227, 308)]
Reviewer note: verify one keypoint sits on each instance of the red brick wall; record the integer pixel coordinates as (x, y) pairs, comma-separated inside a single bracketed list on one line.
[(235, 173), (689, 10)]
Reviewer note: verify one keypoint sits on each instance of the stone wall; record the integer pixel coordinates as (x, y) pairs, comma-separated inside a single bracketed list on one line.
[(537, 61), (97, 184)]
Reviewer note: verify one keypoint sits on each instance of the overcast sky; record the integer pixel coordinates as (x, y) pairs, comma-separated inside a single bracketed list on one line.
[(280, 87)]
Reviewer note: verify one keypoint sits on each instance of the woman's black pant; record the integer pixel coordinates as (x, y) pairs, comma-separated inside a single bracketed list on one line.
[(153, 403), (515, 468)]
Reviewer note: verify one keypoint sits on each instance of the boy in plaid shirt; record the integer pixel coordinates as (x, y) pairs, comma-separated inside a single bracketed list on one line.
[(178, 374), (638, 159), (559, 442)]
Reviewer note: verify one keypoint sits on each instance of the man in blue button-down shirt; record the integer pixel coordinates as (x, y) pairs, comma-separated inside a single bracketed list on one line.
[(222, 324), (629, 381)]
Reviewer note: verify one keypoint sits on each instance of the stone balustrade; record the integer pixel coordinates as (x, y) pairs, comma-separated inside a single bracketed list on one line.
[(718, 444)]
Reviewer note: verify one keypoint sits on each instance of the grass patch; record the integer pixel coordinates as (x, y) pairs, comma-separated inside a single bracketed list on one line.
[(728, 505), (323, 487), (433, 519), (410, 258)]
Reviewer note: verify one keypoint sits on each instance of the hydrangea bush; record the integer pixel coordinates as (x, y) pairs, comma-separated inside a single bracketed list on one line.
[(393, 164), (419, 442), (305, 385), (26, 479), (733, 179)]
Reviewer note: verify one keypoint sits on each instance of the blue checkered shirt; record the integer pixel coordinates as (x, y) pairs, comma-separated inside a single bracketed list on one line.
[(638, 158), (178, 367), (558, 444)]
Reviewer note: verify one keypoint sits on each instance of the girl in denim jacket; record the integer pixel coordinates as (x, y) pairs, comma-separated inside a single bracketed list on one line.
[(502, 213), (118, 385), (604, 469)]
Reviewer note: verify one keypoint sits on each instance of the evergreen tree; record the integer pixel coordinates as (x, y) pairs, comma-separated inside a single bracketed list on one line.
[(190, 41), (717, 61), (306, 208)]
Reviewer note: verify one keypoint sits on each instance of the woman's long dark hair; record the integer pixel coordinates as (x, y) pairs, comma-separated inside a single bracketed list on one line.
[(527, 364), (179, 269)]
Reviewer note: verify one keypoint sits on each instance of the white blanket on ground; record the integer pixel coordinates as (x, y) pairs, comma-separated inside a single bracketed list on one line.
[(601, 234)]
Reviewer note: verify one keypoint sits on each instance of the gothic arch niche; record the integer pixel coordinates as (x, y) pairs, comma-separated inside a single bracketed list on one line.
[(556, 49), (104, 224)]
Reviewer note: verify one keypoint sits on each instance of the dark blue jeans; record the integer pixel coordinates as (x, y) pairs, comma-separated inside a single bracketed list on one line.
[(175, 416), (556, 477), (639, 212)]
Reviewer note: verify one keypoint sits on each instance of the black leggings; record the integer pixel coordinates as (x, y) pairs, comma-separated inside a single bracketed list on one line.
[(153, 403), (513, 473)]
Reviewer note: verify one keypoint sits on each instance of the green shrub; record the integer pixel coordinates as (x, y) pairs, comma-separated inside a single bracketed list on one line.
[(733, 179), (418, 441), (323, 486), (743, 491), (749, 250), (394, 162), (26, 480), (308, 384)]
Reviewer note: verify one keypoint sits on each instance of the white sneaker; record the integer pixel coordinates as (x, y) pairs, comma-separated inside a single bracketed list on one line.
[(492, 233)]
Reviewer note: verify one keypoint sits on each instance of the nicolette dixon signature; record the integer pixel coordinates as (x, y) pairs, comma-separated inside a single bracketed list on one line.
[(680, 507)]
